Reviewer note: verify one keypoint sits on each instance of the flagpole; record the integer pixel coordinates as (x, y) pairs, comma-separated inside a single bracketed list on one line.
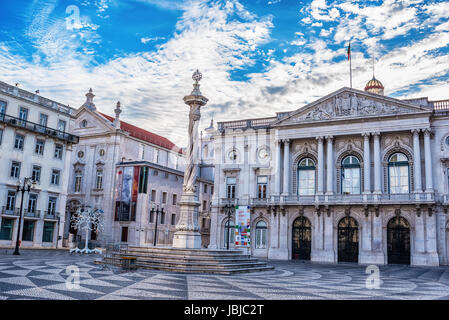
[(350, 65)]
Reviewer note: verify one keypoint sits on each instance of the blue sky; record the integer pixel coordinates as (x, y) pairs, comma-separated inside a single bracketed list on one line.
[(257, 56)]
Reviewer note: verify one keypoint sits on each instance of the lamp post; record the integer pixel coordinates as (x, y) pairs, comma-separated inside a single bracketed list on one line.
[(57, 230), (157, 214), (26, 187), (228, 208)]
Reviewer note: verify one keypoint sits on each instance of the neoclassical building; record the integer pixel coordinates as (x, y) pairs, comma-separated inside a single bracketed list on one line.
[(355, 176)]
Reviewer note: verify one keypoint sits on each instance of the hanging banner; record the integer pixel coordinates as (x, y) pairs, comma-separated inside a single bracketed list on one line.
[(242, 226)]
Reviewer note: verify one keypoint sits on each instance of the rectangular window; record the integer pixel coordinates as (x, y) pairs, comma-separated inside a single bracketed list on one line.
[(78, 181), (175, 199), (39, 149), (43, 119), (1, 136), (55, 177), (173, 219), (51, 209), (204, 223), (58, 151), (204, 205), (153, 195), (61, 125), (6, 229), (23, 115), (164, 197), (151, 216), (15, 169), (205, 188), (28, 230), (32, 202), (2, 110), (47, 233), (36, 174), (211, 189), (99, 179), (262, 183), (10, 201), (230, 187), (162, 217), (18, 142)]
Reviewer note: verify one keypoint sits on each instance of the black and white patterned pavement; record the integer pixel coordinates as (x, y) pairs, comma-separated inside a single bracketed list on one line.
[(44, 274)]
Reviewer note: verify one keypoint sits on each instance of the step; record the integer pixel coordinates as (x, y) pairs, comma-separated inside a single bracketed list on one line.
[(204, 270), (217, 259), (186, 251)]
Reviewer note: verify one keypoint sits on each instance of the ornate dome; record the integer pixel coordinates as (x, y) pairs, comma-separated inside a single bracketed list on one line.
[(374, 86)]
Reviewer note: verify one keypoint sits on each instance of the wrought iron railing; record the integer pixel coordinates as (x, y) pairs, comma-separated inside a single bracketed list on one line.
[(10, 211), (37, 128), (51, 215), (33, 214), (245, 124)]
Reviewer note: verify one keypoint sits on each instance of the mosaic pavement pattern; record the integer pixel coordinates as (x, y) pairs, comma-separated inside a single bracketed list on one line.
[(43, 275)]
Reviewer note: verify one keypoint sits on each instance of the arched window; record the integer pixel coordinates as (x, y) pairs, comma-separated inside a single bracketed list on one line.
[(306, 177), (261, 235), (398, 173), (229, 232), (350, 175)]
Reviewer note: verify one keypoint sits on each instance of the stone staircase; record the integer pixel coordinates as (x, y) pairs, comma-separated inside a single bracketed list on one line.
[(191, 260)]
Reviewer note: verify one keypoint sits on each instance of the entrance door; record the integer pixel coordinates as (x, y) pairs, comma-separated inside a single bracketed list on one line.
[(348, 240), (398, 239), (124, 234), (302, 239)]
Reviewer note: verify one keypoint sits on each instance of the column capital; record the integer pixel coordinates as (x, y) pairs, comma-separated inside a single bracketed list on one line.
[(329, 138), (320, 138), (415, 131), (427, 131), (366, 135), (376, 134), (286, 141)]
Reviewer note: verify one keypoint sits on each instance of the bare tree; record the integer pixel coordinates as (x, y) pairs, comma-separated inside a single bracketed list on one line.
[(88, 220)]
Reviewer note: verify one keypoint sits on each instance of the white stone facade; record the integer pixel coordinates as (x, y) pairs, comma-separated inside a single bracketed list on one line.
[(374, 168), (106, 145), (35, 138)]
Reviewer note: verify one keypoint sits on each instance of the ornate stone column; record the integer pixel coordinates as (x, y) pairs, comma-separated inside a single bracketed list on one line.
[(320, 165), (366, 164), (377, 163), (428, 161), (416, 161), (330, 165), (187, 230), (277, 181), (285, 189)]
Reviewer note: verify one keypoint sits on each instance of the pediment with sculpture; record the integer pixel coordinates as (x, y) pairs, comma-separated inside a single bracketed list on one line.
[(348, 104)]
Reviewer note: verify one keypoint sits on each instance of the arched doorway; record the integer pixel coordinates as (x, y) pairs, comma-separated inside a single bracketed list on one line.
[(301, 238), (348, 240), (398, 240)]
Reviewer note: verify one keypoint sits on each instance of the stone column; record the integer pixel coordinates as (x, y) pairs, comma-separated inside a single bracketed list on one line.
[(277, 181), (428, 161), (377, 163), (187, 233), (285, 189), (320, 165), (366, 163), (330, 166), (416, 161)]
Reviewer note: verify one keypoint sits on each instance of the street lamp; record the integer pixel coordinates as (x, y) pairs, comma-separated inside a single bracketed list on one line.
[(155, 229), (26, 187), (228, 208)]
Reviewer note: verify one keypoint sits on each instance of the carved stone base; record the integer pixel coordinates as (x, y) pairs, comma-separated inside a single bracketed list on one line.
[(187, 240), (187, 230), (371, 257), (429, 259)]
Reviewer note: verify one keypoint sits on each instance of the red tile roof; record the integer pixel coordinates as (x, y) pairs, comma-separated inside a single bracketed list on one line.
[(144, 135)]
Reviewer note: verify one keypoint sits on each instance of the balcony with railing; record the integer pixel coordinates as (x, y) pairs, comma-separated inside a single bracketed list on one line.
[(32, 214), (37, 128), (50, 215), (440, 105), (10, 211), (246, 124)]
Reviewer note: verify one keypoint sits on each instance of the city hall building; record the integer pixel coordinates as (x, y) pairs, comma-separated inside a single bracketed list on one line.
[(355, 176)]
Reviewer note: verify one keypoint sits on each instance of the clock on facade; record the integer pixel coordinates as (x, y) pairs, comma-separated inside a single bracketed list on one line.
[(232, 155), (263, 153)]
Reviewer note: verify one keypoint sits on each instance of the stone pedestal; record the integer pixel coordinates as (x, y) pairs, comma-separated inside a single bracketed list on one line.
[(187, 233)]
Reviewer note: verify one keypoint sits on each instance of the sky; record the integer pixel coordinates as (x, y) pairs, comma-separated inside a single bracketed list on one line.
[(257, 57)]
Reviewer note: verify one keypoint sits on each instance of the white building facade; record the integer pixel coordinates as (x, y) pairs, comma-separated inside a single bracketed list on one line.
[(108, 170), (36, 143), (352, 177)]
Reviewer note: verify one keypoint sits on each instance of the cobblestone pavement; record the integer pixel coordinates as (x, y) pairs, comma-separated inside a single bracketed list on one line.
[(44, 274)]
